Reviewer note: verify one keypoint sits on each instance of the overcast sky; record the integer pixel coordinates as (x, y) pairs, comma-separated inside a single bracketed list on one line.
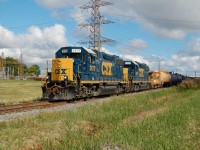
[(146, 31)]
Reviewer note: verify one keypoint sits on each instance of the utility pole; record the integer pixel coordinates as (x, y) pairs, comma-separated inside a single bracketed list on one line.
[(21, 67), (47, 69), (2, 66), (95, 23)]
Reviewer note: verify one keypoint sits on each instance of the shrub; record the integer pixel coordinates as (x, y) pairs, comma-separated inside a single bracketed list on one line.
[(189, 84)]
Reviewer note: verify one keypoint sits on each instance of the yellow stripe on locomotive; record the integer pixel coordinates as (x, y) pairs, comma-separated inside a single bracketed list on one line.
[(125, 73)]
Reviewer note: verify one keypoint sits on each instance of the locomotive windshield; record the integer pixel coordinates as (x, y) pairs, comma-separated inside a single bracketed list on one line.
[(127, 64), (72, 55)]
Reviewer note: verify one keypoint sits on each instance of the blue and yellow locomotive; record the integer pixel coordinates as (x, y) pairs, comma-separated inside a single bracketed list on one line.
[(79, 72)]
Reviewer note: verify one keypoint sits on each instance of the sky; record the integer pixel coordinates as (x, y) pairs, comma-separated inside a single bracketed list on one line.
[(151, 32)]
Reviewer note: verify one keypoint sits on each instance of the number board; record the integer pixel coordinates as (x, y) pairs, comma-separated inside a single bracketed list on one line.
[(76, 50)]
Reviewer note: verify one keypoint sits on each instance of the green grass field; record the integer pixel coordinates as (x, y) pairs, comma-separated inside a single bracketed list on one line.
[(163, 119), (18, 91)]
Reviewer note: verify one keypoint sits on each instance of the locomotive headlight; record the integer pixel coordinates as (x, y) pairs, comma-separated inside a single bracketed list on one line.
[(47, 79), (66, 78)]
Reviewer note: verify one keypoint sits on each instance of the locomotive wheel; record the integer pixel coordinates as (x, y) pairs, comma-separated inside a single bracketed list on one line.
[(84, 91), (136, 87), (147, 87)]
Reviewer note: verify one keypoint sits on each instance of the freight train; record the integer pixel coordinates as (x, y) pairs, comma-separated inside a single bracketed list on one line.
[(79, 72), (164, 79)]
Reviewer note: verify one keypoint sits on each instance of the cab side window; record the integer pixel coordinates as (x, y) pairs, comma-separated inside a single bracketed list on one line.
[(84, 58), (92, 59)]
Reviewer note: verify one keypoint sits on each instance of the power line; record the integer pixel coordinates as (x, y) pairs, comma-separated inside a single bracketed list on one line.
[(44, 23)]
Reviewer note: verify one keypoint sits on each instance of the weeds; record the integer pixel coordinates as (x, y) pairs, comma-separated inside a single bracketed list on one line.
[(162, 119), (189, 84), (2, 104)]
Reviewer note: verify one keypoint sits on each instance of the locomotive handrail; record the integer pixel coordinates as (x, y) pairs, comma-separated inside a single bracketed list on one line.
[(79, 70)]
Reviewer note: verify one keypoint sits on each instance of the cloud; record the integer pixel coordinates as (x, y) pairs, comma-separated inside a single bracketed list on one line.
[(138, 44), (7, 37), (176, 62), (166, 19), (133, 47), (169, 19), (163, 32), (134, 58), (186, 61), (36, 45), (56, 4), (194, 47)]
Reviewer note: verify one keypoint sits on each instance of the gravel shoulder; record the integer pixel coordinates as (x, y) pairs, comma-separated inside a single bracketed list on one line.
[(69, 106)]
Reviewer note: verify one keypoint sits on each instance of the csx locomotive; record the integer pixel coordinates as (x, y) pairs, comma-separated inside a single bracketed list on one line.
[(79, 72)]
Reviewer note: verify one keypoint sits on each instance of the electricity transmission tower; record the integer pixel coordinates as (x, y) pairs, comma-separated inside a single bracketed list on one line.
[(95, 39), (21, 67)]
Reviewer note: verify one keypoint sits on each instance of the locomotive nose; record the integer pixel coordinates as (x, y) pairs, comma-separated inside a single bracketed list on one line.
[(62, 69)]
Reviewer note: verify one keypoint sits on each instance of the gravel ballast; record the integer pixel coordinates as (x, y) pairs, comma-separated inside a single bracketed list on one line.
[(34, 112)]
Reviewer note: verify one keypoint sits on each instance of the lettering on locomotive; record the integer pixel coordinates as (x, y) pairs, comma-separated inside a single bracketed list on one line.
[(76, 50), (60, 71), (57, 71), (106, 68), (141, 72), (92, 68)]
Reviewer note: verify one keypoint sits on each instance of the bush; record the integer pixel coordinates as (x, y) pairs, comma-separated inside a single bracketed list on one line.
[(189, 84)]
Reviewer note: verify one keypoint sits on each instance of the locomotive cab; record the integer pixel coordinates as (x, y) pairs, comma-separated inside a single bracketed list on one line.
[(73, 62)]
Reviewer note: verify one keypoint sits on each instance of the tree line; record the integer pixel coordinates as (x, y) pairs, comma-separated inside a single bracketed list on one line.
[(15, 66)]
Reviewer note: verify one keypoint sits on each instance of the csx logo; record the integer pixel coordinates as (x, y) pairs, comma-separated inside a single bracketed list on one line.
[(92, 68), (106, 68), (141, 72), (60, 71)]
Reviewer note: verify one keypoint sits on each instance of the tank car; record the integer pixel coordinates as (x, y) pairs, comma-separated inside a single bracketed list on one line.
[(79, 72), (174, 78), (177, 78), (160, 79)]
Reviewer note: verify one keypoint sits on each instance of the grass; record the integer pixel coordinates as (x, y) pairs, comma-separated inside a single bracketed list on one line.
[(18, 91), (162, 119)]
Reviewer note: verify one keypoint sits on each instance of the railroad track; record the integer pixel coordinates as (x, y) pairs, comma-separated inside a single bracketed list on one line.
[(35, 105), (27, 107), (45, 104)]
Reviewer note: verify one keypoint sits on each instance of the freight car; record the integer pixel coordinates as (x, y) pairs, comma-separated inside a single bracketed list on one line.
[(162, 78), (79, 72)]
